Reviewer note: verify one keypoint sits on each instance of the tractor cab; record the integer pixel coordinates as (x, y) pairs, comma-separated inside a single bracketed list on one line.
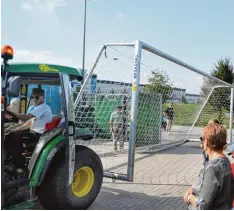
[(57, 168)]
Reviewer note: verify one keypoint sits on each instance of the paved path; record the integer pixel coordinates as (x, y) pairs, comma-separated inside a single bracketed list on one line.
[(160, 178), (160, 181)]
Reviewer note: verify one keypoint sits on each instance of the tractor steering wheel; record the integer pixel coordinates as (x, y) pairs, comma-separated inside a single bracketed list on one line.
[(13, 118)]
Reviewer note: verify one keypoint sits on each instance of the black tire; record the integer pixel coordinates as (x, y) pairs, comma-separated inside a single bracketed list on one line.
[(55, 193)]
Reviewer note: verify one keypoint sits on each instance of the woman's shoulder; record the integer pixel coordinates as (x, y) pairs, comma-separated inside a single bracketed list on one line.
[(219, 166), (218, 162)]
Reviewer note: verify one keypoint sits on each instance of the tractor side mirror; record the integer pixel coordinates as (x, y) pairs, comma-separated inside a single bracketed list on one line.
[(71, 128), (13, 87)]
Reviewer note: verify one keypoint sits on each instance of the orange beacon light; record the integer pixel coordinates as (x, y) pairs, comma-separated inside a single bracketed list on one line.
[(7, 52)]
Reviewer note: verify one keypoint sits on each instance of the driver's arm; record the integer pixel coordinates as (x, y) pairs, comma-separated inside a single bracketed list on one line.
[(23, 117), (25, 126)]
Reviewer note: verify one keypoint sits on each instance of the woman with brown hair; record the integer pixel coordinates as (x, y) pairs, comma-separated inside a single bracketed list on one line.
[(205, 156), (214, 187)]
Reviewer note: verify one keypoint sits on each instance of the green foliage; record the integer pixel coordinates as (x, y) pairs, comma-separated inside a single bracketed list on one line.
[(220, 98), (159, 83), (224, 70)]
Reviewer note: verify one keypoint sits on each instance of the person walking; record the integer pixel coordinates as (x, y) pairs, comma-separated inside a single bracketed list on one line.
[(169, 115)]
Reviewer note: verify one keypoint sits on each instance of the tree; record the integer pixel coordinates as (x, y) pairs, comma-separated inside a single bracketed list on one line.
[(220, 98), (159, 83), (222, 70)]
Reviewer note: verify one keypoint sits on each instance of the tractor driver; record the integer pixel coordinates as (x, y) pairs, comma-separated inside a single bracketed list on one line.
[(35, 123)]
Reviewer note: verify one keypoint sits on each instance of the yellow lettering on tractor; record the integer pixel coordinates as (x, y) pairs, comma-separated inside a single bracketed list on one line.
[(46, 68)]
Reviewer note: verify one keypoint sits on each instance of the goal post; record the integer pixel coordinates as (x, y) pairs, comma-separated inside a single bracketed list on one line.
[(155, 91), (216, 85), (205, 111)]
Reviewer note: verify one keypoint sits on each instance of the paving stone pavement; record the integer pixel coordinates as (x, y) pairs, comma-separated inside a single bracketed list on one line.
[(160, 181)]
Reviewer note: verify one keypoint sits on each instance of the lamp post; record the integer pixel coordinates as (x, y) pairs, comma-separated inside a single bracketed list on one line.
[(83, 60)]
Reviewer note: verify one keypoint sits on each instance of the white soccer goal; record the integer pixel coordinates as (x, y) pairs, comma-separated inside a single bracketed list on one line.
[(145, 81), (215, 105)]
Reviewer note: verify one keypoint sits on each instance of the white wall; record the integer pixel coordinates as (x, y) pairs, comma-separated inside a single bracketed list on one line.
[(192, 98), (118, 88)]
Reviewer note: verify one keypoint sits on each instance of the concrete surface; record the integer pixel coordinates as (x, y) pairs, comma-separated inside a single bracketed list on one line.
[(160, 177), (160, 181)]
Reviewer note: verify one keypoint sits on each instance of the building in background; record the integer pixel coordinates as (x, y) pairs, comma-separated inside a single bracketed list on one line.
[(178, 95), (100, 87), (192, 98), (114, 87)]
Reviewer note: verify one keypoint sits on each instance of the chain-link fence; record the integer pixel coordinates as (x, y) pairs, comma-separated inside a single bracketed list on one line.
[(163, 101)]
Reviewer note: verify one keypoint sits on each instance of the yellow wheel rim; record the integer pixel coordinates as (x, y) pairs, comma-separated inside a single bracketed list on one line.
[(83, 181)]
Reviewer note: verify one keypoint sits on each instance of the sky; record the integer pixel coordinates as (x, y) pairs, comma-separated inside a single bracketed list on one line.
[(197, 32)]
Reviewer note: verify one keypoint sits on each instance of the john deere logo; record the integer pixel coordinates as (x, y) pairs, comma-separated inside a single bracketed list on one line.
[(45, 68)]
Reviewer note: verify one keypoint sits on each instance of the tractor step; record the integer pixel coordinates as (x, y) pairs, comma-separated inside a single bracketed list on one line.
[(23, 206)]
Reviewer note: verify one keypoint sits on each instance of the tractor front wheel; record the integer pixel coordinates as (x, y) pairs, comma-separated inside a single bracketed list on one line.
[(56, 193)]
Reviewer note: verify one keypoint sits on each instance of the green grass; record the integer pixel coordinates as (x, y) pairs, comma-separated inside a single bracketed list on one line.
[(185, 114)]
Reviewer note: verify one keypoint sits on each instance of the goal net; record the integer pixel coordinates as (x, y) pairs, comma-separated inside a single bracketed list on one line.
[(164, 102)]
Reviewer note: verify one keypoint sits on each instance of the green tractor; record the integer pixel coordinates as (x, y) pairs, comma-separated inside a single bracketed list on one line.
[(60, 174)]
